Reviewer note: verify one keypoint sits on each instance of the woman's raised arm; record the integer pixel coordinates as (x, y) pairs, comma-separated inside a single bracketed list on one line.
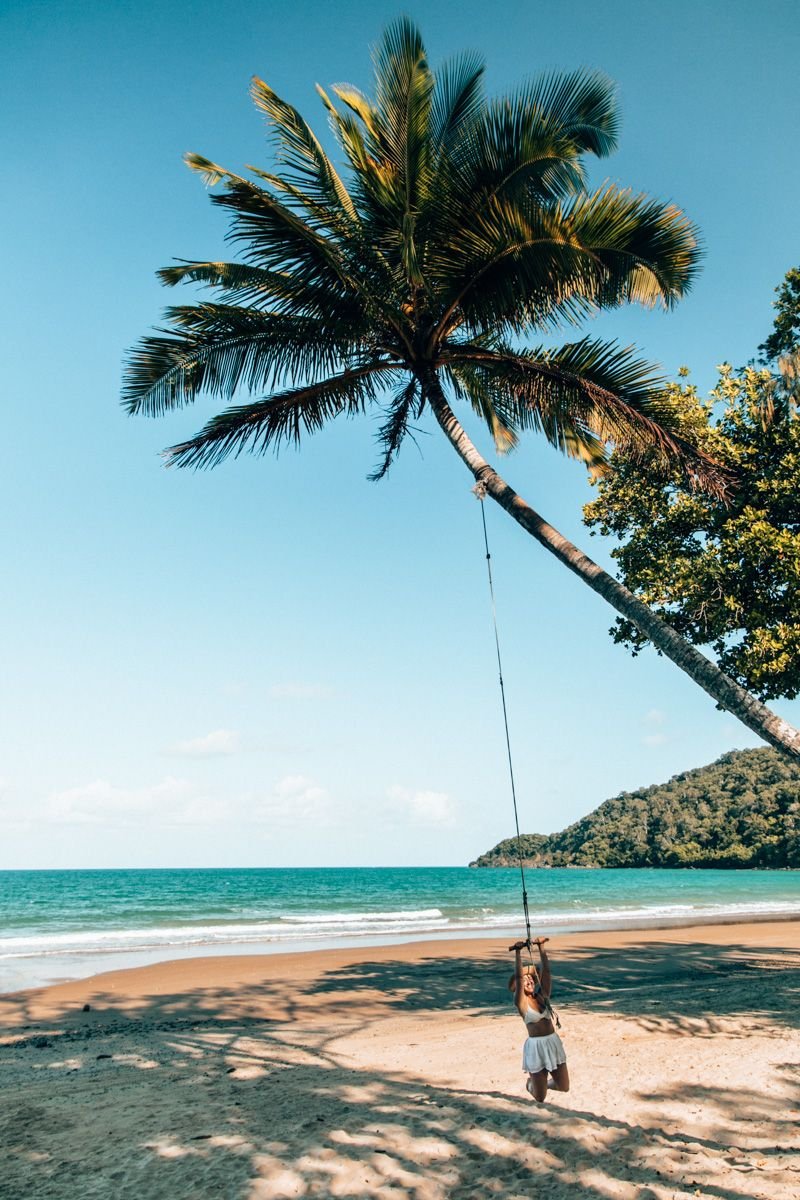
[(545, 977), (518, 972)]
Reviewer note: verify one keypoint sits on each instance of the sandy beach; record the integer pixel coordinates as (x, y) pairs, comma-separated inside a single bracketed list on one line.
[(395, 1072)]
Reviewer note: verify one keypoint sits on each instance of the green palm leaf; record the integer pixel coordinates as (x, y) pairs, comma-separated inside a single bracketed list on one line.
[(283, 418), (590, 393), (405, 405), (458, 99), (242, 284), (302, 153), (217, 349)]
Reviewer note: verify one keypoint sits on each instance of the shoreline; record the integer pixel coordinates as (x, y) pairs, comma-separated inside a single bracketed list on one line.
[(440, 946), (47, 970)]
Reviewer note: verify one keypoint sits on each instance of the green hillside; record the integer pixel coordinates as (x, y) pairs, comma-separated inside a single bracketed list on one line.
[(741, 811)]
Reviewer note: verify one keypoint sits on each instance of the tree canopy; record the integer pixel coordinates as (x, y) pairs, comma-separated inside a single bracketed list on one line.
[(785, 335), (458, 224), (725, 576)]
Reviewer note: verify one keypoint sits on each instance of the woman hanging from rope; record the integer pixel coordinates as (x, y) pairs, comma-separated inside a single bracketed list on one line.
[(543, 1053)]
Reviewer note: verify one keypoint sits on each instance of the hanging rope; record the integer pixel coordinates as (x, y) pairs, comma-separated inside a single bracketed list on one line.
[(480, 491)]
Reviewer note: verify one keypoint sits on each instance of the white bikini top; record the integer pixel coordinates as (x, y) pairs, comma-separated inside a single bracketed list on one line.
[(532, 1015)]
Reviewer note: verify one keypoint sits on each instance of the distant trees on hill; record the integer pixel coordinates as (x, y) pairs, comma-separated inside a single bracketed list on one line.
[(741, 811)]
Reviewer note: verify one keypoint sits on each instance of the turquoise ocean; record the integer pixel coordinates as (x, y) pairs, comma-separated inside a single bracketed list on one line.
[(69, 924)]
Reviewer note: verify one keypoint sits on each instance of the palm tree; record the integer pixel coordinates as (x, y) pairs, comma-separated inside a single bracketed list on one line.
[(463, 225)]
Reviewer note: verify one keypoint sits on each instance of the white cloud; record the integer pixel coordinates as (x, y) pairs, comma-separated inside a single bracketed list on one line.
[(654, 717), (654, 739), (300, 691), (294, 798), (424, 807), (211, 745), (293, 801), (100, 802), (298, 787)]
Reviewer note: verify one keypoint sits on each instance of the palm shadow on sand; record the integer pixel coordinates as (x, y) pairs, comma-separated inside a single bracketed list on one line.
[(269, 1109)]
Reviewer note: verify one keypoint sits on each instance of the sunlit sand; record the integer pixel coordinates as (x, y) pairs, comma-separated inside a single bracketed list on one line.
[(395, 1071)]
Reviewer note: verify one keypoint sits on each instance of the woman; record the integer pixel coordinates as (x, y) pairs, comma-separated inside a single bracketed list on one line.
[(543, 1053)]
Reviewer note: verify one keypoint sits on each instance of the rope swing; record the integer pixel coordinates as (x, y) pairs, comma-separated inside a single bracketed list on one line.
[(480, 491)]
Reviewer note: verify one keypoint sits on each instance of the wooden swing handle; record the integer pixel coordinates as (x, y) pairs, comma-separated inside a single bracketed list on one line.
[(533, 942)]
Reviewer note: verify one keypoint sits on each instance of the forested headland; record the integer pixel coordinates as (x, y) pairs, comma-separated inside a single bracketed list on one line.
[(741, 811)]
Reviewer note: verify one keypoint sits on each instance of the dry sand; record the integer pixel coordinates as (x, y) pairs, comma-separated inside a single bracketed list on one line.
[(395, 1072)]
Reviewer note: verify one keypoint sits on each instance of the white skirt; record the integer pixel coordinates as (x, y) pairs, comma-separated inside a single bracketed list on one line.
[(543, 1053)]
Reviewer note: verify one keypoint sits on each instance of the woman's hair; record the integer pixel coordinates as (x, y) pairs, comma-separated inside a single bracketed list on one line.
[(528, 970)]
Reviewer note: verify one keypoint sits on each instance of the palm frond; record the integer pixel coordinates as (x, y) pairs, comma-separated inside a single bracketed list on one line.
[(404, 406), (471, 382), (497, 401), (210, 172), (348, 131), (374, 185), (596, 391), (458, 99), (559, 263), (217, 349), (513, 271), (283, 418), (240, 283), (649, 251), (528, 147), (403, 87), (360, 105), (583, 104), (301, 152), (518, 155), (278, 238)]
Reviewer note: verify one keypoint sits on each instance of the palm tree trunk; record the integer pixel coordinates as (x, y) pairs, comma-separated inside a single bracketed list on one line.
[(724, 690)]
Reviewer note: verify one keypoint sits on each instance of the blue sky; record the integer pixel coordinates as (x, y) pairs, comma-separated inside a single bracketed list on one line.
[(277, 662)]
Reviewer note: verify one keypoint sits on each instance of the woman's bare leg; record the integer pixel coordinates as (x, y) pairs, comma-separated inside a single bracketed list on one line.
[(537, 1085), (559, 1079)]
